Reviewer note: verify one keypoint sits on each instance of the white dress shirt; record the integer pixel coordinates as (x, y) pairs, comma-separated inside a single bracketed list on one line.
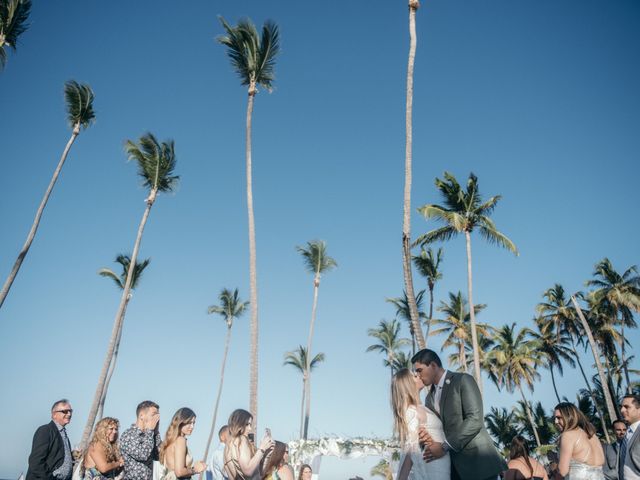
[(437, 395)]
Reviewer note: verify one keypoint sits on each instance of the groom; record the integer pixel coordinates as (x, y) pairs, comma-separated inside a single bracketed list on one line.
[(456, 399)]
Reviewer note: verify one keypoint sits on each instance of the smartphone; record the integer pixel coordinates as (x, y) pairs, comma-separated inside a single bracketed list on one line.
[(267, 432), (252, 437)]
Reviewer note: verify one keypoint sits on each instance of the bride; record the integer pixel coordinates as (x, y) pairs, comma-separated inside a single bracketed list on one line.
[(409, 415)]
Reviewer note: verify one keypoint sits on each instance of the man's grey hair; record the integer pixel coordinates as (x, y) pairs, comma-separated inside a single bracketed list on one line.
[(59, 402)]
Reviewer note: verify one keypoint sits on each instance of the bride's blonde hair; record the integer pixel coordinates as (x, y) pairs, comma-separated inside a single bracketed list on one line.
[(403, 395)]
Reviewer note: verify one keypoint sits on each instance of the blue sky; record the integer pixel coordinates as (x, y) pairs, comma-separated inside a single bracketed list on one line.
[(538, 99)]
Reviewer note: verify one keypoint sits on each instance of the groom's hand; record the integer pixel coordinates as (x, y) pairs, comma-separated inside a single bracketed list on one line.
[(433, 451), (424, 436)]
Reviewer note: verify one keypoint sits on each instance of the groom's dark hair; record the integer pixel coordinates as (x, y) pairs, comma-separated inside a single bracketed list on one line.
[(426, 356)]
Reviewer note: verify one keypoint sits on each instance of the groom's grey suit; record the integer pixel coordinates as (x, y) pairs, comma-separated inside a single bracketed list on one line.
[(473, 454)]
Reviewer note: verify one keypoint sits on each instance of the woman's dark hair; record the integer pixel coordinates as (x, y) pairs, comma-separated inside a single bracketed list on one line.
[(520, 449), (302, 467), (274, 460), (238, 420)]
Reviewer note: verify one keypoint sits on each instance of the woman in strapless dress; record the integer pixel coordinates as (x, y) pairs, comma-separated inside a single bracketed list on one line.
[(174, 453)]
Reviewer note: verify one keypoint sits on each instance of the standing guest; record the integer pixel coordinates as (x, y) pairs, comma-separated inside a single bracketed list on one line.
[(241, 459), (174, 453), (275, 466), (103, 459), (50, 457), (521, 465), (216, 464), (581, 454), (612, 467), (630, 456), (139, 444), (305, 472)]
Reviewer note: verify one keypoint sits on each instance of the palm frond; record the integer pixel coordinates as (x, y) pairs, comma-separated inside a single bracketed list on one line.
[(498, 238), (79, 99), (13, 20), (156, 162), (441, 234)]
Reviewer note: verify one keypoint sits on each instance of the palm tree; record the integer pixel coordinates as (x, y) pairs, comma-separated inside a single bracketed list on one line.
[(464, 211), (120, 281), (382, 469), (455, 325), (156, 163), (253, 58), (79, 100), (13, 23), (389, 342), (428, 265), (403, 311), (406, 217), (230, 308), (401, 360), (317, 262), (298, 360), (544, 423), (622, 292), (514, 360), (502, 425), (554, 348)]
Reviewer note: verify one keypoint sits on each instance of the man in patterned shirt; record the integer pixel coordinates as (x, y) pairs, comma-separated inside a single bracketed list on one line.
[(139, 444)]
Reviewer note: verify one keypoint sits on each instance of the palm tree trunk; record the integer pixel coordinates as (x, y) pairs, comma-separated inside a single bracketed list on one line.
[(406, 222), (117, 325), (553, 381), (304, 389), (316, 287), (622, 357), (472, 314), (36, 222), (215, 408), (533, 424), (463, 357), (430, 312), (596, 356), (253, 287)]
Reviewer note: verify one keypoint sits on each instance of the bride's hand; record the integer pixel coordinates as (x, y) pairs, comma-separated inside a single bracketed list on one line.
[(433, 451), (424, 436)]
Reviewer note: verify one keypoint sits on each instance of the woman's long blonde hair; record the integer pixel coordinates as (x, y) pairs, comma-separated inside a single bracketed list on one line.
[(101, 437), (403, 395), (182, 417)]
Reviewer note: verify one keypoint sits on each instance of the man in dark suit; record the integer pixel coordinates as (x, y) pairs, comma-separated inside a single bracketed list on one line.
[(50, 457), (456, 399), (612, 467), (630, 456)]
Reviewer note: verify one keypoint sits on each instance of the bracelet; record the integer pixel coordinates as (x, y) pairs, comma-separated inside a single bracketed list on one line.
[(263, 451), (193, 470)]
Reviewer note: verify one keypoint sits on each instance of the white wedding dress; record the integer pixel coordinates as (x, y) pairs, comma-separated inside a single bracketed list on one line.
[(439, 469)]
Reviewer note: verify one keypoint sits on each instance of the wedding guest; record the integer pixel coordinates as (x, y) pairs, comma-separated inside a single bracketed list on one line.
[(275, 466), (613, 467), (521, 465), (630, 410), (174, 453), (305, 472), (216, 464), (581, 454), (50, 457), (103, 459), (139, 444), (241, 459)]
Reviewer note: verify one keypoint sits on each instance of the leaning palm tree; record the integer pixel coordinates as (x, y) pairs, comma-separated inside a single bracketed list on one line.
[(622, 293), (389, 342), (156, 163), (317, 262), (120, 281), (514, 360), (463, 212), (406, 217), (428, 264), (253, 58), (13, 23), (403, 311), (230, 308), (455, 325), (80, 114), (298, 360)]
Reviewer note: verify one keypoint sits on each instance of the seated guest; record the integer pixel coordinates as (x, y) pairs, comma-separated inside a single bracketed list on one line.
[(139, 444), (174, 453), (305, 472), (275, 466), (241, 459), (103, 459), (521, 466)]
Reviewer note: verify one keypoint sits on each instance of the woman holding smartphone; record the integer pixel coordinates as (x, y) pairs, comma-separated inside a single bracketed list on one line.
[(241, 459)]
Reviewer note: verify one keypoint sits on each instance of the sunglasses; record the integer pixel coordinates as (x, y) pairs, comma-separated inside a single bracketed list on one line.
[(68, 411)]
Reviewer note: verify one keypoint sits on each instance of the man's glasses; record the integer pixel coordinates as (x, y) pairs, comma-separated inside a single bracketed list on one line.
[(67, 411)]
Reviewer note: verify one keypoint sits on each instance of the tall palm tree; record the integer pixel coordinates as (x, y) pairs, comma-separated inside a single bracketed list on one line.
[(463, 212), (156, 163), (230, 308), (120, 281), (406, 217), (428, 265), (622, 292), (253, 58), (514, 360), (455, 325), (403, 311), (401, 360), (389, 342), (13, 23), (544, 423), (80, 114), (554, 348), (317, 262), (298, 360), (502, 425)]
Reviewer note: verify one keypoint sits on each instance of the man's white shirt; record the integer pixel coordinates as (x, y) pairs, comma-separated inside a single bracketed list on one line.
[(215, 469)]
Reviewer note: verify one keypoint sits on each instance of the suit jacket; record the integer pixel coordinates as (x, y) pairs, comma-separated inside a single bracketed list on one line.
[(47, 452), (473, 453), (633, 454), (610, 467)]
